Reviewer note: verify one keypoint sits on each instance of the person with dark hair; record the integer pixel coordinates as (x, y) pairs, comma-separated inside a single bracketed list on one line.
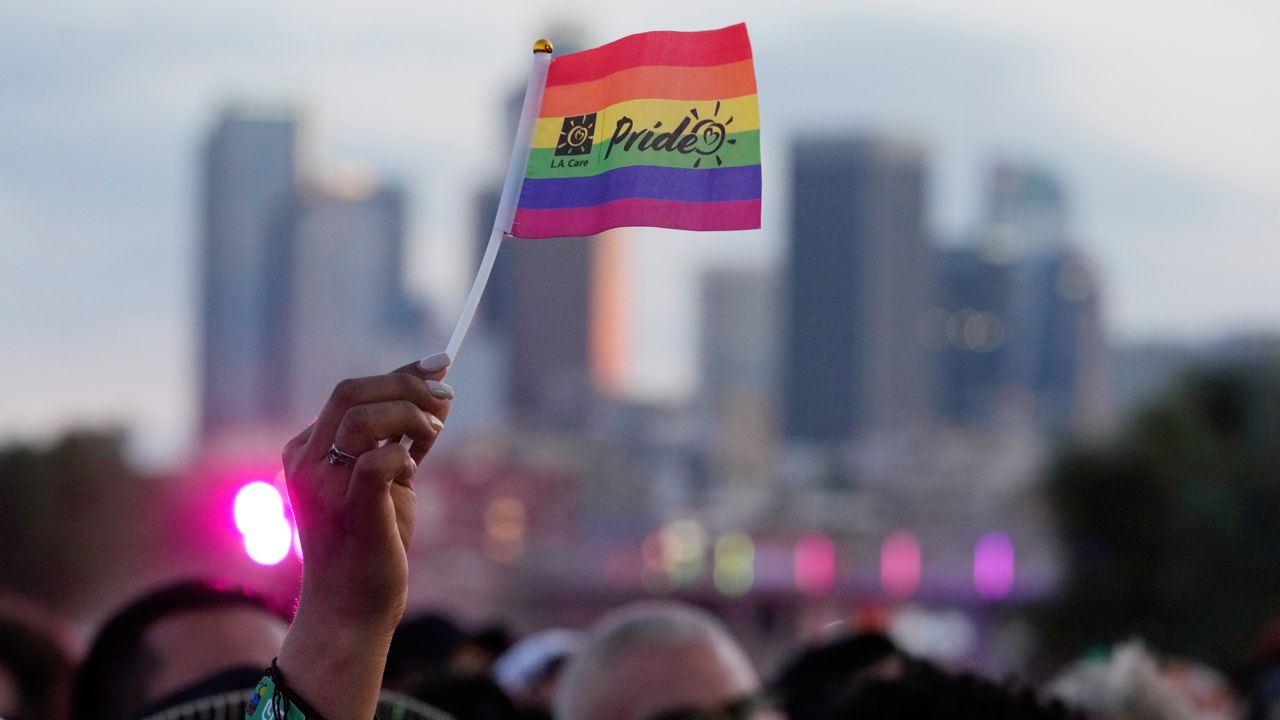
[(480, 649), (1259, 680), (420, 652), (823, 676), (185, 641), (35, 664), (470, 697), (925, 692)]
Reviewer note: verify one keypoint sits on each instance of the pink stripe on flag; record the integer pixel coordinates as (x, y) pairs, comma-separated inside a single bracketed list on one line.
[(636, 212)]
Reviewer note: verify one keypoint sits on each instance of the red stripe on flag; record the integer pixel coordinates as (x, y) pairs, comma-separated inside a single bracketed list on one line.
[(637, 212), (684, 49)]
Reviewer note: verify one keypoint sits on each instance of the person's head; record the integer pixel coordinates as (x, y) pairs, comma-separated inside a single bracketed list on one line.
[(925, 692), (822, 676), (475, 697), (175, 644), (35, 665), (1259, 679), (477, 652), (530, 671), (1126, 684), (420, 653), (655, 660)]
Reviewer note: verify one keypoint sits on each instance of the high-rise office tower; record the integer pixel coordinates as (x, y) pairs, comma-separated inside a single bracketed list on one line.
[(537, 309), (556, 306), (858, 286), (340, 309), (738, 334), (248, 170), (1026, 208), (738, 343), (1055, 349), (1065, 359), (550, 332), (969, 331)]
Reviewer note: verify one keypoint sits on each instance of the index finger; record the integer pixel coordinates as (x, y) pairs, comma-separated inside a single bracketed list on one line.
[(441, 409), (416, 370), (368, 390), (431, 367)]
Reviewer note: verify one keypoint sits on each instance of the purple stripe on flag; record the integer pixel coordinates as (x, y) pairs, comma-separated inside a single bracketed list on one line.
[(579, 222), (643, 181)]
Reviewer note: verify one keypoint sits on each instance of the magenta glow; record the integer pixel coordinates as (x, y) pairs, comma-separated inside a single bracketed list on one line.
[(815, 564), (900, 564), (994, 564)]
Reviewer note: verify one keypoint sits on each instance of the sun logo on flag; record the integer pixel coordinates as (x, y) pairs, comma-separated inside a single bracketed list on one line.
[(712, 135), (576, 133)]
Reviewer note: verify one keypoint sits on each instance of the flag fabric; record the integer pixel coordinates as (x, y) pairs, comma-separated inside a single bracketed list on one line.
[(659, 129)]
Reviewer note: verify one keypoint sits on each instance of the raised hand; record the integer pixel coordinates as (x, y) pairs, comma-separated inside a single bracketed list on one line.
[(351, 486)]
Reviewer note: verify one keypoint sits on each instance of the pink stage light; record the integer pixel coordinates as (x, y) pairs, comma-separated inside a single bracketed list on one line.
[(257, 504), (259, 514), (900, 564), (994, 565), (815, 564), (269, 543)]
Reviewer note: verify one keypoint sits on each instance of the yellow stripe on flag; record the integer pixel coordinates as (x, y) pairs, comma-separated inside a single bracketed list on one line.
[(736, 114)]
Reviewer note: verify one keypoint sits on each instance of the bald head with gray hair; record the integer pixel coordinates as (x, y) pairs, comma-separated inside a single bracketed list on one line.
[(649, 658)]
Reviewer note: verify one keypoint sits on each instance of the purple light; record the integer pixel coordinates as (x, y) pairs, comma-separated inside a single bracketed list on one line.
[(993, 566), (900, 564), (257, 504), (815, 564)]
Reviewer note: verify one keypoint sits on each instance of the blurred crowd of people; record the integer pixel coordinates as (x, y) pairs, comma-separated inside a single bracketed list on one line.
[(196, 649), (200, 651)]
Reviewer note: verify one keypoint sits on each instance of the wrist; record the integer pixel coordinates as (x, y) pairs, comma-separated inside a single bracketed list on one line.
[(353, 613), (322, 648)]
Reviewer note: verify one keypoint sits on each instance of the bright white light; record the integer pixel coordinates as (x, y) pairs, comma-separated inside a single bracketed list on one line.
[(269, 543), (256, 505)]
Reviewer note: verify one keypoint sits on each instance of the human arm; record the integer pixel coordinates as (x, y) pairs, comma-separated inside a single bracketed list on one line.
[(355, 525)]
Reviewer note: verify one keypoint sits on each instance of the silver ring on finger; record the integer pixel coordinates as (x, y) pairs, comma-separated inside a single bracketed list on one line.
[(337, 456)]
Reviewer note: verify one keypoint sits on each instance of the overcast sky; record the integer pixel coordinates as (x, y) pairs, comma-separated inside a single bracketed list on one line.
[(1160, 117)]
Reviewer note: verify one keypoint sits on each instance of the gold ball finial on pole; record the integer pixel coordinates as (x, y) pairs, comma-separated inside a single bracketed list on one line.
[(543, 45)]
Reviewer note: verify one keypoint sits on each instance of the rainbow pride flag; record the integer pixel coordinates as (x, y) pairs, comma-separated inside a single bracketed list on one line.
[(659, 129)]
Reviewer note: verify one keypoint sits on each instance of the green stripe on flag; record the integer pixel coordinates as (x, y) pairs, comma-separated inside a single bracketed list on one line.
[(543, 162)]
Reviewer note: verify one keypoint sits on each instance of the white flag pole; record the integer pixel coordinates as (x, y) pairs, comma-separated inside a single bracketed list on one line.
[(506, 214), (502, 221)]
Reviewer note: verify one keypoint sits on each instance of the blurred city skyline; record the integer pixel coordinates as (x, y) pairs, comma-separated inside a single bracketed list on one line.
[(1159, 121)]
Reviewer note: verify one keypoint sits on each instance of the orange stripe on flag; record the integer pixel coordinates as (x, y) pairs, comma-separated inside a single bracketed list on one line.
[(715, 82)]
